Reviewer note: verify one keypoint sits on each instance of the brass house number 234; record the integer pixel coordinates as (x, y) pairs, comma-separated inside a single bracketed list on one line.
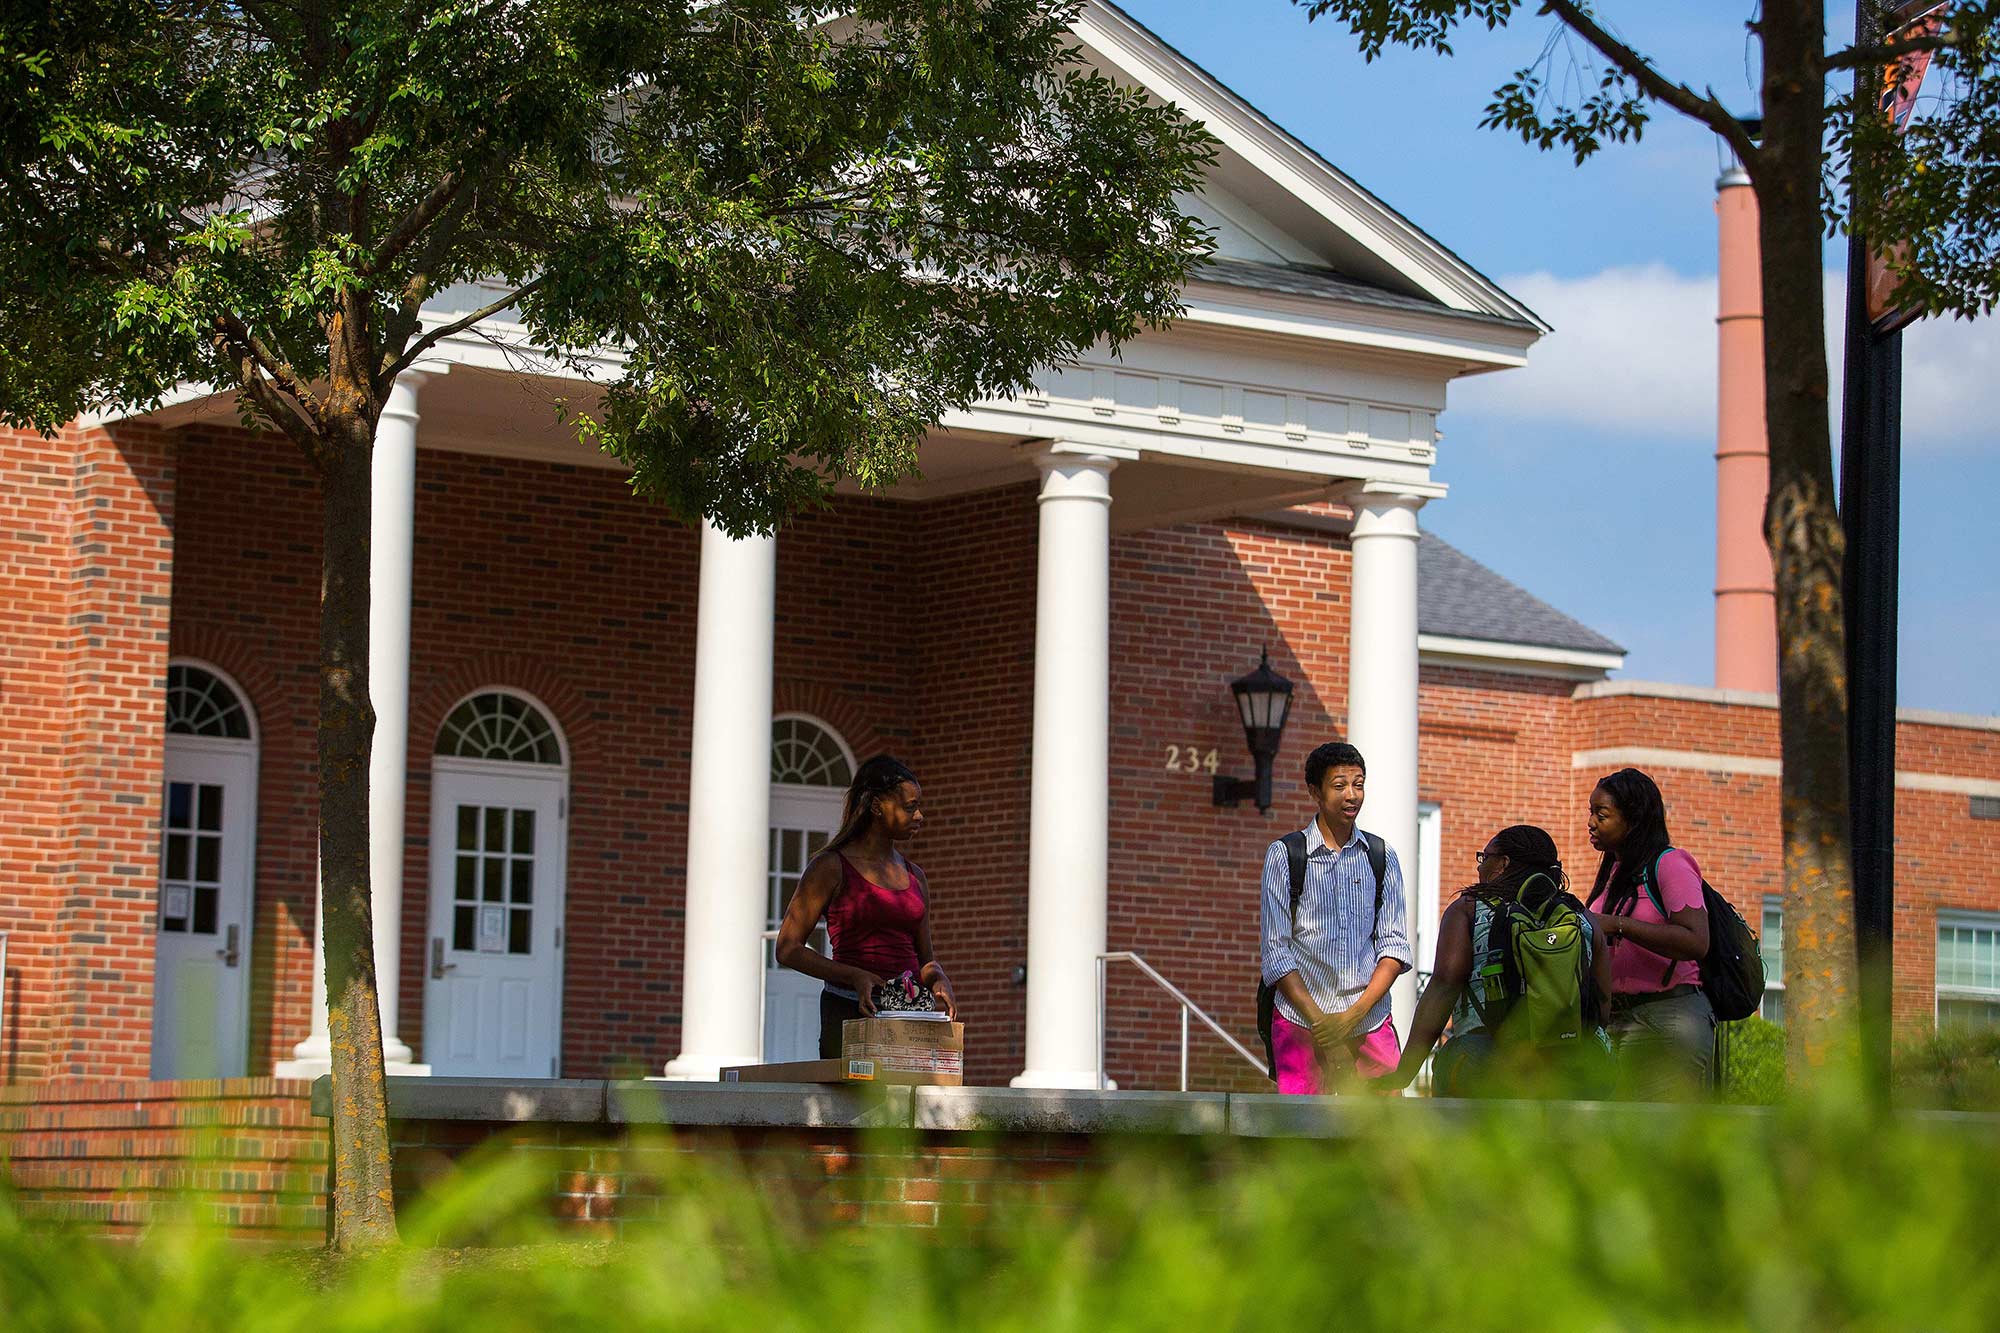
[(1190, 759)]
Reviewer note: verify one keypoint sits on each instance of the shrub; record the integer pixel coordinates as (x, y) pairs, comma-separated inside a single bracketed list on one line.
[(1753, 1062), (1512, 1216), (1954, 1068)]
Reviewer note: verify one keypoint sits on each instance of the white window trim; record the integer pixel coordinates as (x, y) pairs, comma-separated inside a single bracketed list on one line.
[(1773, 981), (501, 765), (846, 750), (1961, 920)]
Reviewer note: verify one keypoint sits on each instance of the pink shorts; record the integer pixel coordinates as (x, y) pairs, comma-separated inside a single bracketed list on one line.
[(1298, 1058)]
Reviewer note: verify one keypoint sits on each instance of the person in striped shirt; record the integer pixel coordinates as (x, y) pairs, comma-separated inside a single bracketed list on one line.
[(1333, 958)]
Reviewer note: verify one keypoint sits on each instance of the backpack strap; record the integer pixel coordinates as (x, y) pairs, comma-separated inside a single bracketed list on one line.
[(1378, 862), (1647, 880), (1295, 855)]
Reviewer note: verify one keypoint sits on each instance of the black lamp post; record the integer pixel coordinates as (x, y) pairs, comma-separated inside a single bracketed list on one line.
[(1264, 701)]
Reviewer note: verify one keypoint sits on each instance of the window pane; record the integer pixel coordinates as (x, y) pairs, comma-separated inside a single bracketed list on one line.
[(210, 807), (517, 930), (207, 860), (180, 804), (496, 831), (468, 828), (177, 856), (467, 887), (1969, 956), (524, 831), (1961, 1012), (494, 889), (1771, 941), (464, 921), (1774, 1006), (204, 911), (522, 883)]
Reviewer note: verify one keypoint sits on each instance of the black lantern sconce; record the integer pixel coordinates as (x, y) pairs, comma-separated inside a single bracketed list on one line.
[(1263, 701)]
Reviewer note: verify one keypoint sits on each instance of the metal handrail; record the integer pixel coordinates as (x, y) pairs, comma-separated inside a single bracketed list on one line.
[(1187, 1007)]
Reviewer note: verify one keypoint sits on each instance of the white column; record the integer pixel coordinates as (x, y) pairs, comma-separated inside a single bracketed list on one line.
[(1069, 804), (391, 563), (729, 807), (1382, 686)]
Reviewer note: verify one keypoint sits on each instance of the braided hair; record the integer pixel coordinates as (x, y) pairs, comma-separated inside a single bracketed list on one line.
[(1530, 853), (876, 778), (1638, 799)]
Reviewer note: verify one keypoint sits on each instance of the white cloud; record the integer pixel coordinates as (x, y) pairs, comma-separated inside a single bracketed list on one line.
[(1633, 353)]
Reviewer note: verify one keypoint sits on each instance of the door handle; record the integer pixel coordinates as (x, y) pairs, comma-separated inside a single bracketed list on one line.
[(229, 953), (438, 965)]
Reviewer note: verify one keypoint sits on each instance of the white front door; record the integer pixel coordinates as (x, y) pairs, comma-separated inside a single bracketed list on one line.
[(493, 967), (201, 950), (802, 820)]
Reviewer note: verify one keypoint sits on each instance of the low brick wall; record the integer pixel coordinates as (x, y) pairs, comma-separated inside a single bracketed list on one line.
[(115, 1155), (613, 1154)]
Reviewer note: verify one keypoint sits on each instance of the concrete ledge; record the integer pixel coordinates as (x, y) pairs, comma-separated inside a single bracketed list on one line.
[(511, 1101), (1274, 1115), (794, 1105), (1063, 1111)]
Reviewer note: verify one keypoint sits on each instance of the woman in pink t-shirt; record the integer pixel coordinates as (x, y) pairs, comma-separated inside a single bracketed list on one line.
[(1662, 1026)]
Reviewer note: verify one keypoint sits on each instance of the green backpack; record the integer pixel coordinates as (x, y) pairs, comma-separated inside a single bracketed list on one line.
[(1536, 988)]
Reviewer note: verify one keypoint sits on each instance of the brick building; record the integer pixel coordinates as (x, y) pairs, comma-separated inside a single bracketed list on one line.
[(612, 740)]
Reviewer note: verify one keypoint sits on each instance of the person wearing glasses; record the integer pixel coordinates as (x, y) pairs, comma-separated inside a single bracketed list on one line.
[(1519, 863)]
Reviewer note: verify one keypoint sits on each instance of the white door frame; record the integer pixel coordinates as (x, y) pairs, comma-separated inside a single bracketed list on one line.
[(237, 760), (796, 807), (439, 900)]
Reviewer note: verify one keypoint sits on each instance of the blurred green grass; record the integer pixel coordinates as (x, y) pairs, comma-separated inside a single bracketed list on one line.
[(1509, 1216)]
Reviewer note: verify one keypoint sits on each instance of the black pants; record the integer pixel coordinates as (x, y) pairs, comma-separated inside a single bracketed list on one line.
[(833, 1011)]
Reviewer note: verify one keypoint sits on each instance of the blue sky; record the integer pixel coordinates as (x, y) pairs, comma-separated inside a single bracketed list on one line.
[(1589, 477)]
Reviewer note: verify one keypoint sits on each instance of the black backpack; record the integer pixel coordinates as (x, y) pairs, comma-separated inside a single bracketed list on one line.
[(1295, 852), (1732, 971)]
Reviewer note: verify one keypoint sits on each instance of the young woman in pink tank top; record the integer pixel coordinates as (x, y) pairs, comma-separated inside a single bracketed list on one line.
[(875, 901)]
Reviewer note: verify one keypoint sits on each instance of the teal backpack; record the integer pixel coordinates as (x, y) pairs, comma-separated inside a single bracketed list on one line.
[(1536, 989)]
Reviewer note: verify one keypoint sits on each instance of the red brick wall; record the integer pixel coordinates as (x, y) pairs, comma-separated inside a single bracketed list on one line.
[(116, 1154), (502, 549), (86, 571), (970, 715), (1730, 821), (599, 1183), (1192, 607)]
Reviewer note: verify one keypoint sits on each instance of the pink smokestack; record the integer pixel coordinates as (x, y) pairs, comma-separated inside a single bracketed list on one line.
[(1746, 606)]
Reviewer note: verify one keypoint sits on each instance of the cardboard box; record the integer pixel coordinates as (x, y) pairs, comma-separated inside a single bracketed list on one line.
[(908, 1046), (909, 1052)]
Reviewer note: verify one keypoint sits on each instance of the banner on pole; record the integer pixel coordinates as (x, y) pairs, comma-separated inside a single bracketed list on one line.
[(1902, 79)]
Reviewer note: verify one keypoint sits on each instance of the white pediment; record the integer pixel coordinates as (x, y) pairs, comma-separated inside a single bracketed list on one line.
[(1272, 200)]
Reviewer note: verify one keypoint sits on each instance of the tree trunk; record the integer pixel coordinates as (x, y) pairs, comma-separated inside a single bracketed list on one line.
[(363, 1203), (1802, 526)]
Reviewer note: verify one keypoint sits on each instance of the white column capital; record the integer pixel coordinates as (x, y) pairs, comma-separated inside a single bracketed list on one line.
[(1071, 471), (401, 404)]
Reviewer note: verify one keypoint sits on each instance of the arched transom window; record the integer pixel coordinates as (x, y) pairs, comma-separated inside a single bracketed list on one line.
[(806, 754), (502, 726), (201, 703)]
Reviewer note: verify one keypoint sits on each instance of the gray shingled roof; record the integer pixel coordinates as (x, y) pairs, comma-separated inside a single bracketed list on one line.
[(1460, 598), (1300, 280)]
